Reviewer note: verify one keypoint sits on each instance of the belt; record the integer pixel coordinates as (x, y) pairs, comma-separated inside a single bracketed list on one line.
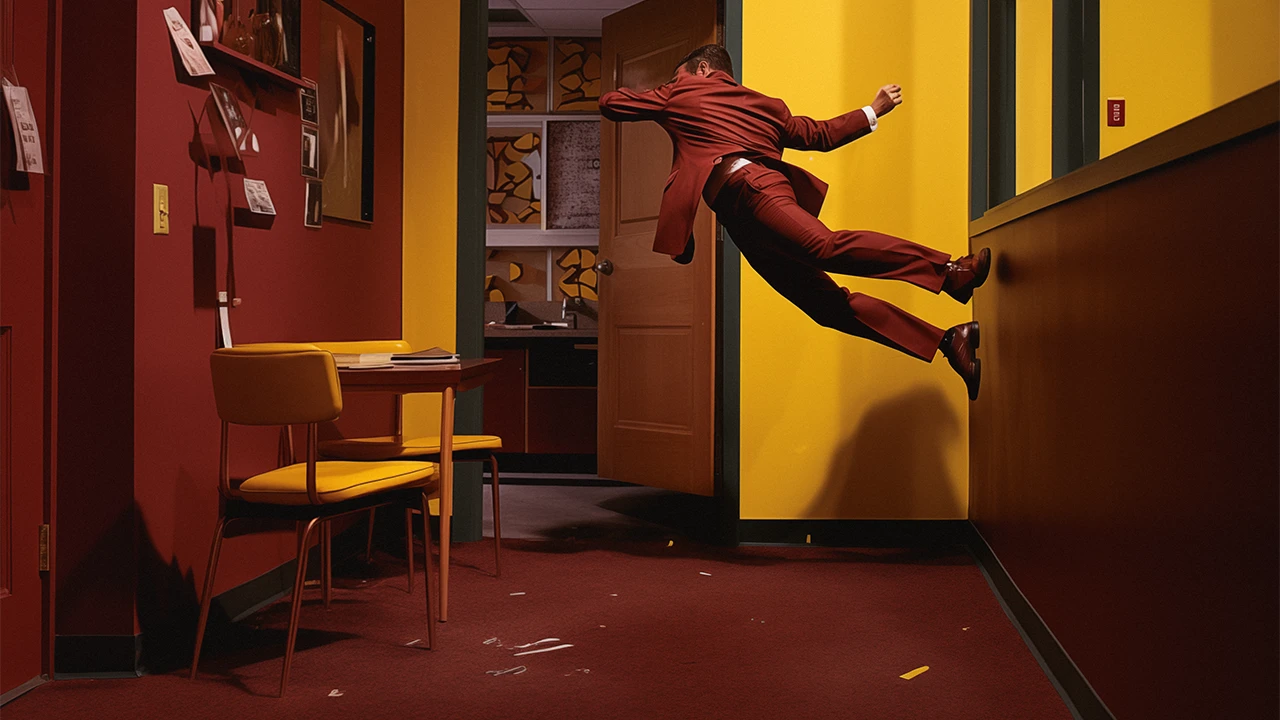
[(724, 167)]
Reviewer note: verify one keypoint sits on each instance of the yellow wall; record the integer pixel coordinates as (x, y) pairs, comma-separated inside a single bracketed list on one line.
[(1034, 50), (834, 426), (1175, 59), (429, 274)]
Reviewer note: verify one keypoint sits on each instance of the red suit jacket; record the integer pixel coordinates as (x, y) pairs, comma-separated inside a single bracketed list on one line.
[(711, 116)]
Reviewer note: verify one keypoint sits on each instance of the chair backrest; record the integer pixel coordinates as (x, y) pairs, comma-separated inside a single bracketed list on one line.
[(356, 347), (275, 384)]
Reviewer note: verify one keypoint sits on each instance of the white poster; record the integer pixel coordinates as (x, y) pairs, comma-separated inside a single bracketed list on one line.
[(192, 56), (26, 134), (255, 191)]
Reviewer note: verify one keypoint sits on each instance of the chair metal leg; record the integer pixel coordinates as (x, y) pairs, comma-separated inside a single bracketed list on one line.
[(326, 554), (304, 539), (497, 519), (207, 598), (368, 543), (408, 546), (429, 567)]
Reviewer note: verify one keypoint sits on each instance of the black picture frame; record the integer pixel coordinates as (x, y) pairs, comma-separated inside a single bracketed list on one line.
[(366, 102)]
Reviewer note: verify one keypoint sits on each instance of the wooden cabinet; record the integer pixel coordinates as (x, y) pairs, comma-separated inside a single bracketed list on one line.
[(504, 399), (543, 400), (562, 420)]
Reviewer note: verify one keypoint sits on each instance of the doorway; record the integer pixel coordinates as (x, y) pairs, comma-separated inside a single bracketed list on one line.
[(589, 354)]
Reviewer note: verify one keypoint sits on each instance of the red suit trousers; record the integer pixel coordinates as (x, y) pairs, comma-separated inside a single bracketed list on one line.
[(793, 251)]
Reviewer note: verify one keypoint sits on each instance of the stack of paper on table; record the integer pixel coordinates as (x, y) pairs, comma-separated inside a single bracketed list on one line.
[(434, 357), (362, 361)]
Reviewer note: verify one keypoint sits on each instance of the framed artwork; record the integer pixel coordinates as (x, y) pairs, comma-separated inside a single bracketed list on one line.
[(513, 176), (309, 104), (573, 174), (517, 75), (315, 204), (577, 75), (346, 93), (310, 152)]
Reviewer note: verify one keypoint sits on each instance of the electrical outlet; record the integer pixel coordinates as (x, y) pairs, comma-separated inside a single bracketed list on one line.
[(160, 225)]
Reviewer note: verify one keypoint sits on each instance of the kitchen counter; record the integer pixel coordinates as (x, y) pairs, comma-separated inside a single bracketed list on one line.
[(495, 331)]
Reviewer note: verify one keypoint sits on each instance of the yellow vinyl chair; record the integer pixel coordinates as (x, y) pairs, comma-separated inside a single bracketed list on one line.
[(294, 384), (466, 448)]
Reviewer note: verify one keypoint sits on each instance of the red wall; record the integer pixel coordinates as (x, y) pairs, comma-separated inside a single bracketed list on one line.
[(297, 284), (95, 558)]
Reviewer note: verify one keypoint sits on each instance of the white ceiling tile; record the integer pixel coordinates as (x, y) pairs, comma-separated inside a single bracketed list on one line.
[(574, 4), (569, 19)]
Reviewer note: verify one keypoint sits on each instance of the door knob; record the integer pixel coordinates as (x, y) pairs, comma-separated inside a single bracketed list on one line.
[(604, 267)]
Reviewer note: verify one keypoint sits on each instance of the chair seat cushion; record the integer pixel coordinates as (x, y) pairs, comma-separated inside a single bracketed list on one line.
[(386, 448), (336, 481)]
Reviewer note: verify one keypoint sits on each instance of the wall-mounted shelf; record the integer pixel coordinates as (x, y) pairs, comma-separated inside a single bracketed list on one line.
[(257, 67), (500, 237)]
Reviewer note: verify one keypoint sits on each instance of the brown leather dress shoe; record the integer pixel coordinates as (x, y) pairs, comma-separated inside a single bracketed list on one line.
[(966, 274), (959, 344)]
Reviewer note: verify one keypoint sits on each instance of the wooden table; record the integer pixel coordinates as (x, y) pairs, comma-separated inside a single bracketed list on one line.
[(405, 380)]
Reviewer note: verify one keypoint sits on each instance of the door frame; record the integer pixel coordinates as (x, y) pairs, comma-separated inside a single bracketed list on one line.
[(473, 53), (472, 119), (51, 133), (728, 401)]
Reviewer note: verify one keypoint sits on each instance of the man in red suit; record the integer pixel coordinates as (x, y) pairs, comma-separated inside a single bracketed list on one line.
[(728, 150)]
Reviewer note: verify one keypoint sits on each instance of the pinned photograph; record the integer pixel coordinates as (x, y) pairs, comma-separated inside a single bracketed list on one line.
[(315, 204), (232, 117), (310, 152), (255, 191), (310, 102), (188, 49), (26, 134)]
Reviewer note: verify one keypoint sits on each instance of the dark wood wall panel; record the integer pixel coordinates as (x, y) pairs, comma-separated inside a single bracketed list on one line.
[(1124, 448)]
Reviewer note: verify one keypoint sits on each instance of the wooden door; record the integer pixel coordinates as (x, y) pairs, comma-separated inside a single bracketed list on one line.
[(657, 318), (25, 237)]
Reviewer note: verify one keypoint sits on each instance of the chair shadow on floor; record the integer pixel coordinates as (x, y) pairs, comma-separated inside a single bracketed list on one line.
[(168, 607)]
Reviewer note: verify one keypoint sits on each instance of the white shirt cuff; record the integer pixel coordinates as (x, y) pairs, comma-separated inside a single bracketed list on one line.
[(871, 116)]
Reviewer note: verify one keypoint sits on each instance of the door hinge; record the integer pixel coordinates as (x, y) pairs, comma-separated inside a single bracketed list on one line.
[(44, 548)]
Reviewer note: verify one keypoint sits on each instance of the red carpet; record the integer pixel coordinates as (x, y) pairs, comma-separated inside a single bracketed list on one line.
[(769, 633)]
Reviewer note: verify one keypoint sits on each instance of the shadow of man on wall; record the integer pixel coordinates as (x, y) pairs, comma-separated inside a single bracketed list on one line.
[(894, 463)]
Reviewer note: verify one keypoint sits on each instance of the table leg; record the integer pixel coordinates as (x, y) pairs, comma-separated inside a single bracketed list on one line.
[(446, 496)]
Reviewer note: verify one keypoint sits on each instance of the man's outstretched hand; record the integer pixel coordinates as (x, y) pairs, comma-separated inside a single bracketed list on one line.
[(889, 97)]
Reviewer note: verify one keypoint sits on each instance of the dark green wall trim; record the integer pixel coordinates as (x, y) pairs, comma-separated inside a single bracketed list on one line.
[(23, 689), (247, 598), (1002, 101), (1067, 679), (1076, 94), (97, 656), (978, 109), (729, 335), (855, 533), (993, 141), (468, 492)]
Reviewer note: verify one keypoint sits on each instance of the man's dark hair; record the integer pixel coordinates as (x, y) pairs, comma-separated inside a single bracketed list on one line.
[(714, 55)]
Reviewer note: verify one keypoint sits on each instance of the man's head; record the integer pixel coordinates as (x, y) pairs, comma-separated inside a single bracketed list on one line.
[(705, 59)]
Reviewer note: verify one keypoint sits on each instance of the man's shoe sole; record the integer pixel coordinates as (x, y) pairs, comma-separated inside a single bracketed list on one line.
[(964, 297)]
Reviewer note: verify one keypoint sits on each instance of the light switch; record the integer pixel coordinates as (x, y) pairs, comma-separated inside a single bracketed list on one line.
[(161, 223)]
